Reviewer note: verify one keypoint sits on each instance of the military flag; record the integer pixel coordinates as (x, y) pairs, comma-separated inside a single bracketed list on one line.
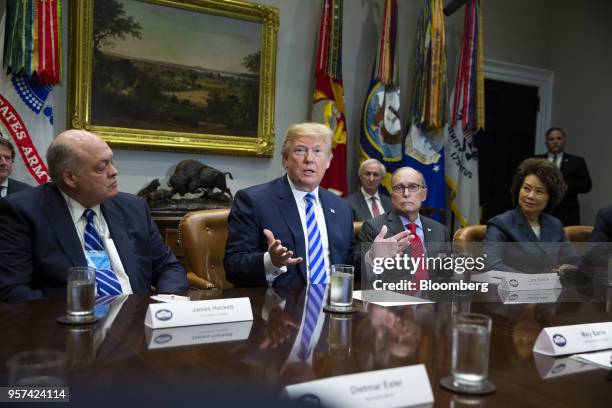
[(424, 142), (33, 40), (381, 130), (467, 119), (26, 96), (328, 99)]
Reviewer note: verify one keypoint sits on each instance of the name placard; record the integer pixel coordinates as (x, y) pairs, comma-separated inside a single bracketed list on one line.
[(163, 315), (393, 387), (551, 367), (205, 334), (578, 338), (529, 296), (527, 281)]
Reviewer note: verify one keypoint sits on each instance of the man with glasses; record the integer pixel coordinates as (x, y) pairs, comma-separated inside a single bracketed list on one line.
[(7, 158), (367, 202), (408, 192)]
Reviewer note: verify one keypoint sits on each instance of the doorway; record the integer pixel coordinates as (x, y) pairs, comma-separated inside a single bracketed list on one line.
[(509, 138)]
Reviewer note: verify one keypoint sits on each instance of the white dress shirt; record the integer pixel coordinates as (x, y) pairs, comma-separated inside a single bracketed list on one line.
[(368, 199), (76, 212), (559, 159), (272, 271), (4, 191)]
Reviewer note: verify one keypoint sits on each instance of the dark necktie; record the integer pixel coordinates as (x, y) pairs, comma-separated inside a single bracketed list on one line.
[(375, 208), (555, 160), (417, 251), (2, 189)]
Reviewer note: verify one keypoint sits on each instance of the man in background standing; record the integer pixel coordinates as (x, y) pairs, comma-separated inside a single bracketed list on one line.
[(367, 202), (575, 173)]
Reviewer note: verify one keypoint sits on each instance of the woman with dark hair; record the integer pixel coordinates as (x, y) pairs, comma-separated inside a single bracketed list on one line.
[(532, 241)]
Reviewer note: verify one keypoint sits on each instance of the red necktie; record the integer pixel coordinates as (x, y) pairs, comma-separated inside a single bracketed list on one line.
[(375, 208), (417, 252)]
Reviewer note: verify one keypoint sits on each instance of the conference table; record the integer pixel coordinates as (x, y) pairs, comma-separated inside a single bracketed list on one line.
[(120, 350)]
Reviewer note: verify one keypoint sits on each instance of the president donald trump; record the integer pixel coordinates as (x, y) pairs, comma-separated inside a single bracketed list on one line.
[(288, 232)]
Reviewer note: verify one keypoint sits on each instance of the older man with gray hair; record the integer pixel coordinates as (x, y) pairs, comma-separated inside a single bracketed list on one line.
[(367, 202), (81, 219)]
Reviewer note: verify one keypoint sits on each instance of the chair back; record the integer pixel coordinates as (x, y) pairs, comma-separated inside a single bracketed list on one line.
[(578, 233), (357, 229), (469, 239), (203, 237)]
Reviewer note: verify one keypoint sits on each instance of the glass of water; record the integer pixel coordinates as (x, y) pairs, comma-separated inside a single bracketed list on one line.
[(470, 350), (341, 287), (42, 368), (81, 293)]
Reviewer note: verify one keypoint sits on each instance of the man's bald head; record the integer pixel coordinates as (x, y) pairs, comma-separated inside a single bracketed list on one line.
[(81, 164)]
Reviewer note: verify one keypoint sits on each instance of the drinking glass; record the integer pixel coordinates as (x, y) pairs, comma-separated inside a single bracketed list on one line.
[(41, 368), (341, 287), (470, 350), (81, 293)]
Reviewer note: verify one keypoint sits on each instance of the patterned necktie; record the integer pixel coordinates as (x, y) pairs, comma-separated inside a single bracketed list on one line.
[(375, 208), (106, 280), (418, 251), (314, 303), (316, 261)]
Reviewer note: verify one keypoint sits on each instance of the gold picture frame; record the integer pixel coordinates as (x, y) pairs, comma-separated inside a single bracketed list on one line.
[(175, 75)]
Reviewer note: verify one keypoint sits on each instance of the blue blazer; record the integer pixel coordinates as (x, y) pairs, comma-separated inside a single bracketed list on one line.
[(272, 206), (526, 253), (38, 242)]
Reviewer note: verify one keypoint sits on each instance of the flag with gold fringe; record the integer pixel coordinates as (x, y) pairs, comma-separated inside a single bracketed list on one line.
[(424, 143), (381, 130), (33, 40), (328, 99), (467, 119)]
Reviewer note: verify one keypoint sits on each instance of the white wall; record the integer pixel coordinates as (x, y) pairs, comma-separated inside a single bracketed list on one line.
[(570, 38)]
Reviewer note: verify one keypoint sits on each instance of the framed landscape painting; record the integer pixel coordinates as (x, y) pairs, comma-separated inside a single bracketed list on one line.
[(188, 75)]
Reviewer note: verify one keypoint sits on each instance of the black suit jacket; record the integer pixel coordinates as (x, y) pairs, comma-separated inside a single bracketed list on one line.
[(576, 176), (361, 211), (602, 228), (38, 243), (15, 186)]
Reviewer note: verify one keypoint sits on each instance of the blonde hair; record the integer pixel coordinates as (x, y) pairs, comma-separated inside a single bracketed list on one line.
[(296, 130)]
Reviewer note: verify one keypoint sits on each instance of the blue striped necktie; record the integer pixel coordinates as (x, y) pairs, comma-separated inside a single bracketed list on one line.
[(316, 260), (314, 303), (106, 280)]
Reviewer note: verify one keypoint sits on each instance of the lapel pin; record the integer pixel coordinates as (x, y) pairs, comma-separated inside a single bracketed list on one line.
[(332, 210), (428, 229)]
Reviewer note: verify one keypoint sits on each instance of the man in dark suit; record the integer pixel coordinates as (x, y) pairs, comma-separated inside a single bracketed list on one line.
[(267, 243), (367, 202), (575, 173), (7, 158), (408, 192), (44, 229), (602, 228)]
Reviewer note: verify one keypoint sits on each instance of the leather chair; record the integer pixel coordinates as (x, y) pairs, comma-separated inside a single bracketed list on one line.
[(203, 235), (468, 239), (357, 229), (578, 233)]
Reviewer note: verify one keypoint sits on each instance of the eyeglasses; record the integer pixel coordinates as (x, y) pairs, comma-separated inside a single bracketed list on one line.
[(413, 188), (6, 158)]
